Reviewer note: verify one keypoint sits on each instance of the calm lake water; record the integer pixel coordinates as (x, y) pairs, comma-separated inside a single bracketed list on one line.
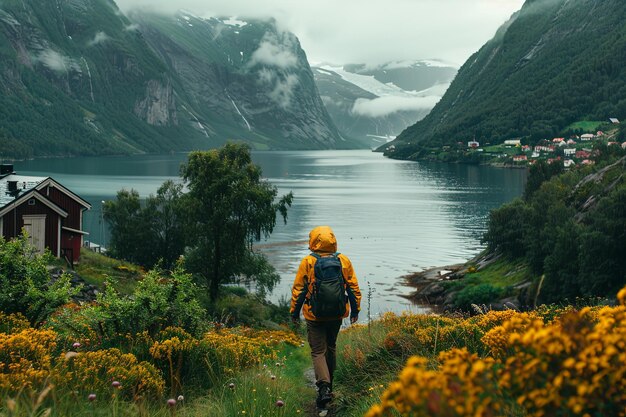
[(390, 217)]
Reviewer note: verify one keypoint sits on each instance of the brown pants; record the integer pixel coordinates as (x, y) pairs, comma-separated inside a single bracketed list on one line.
[(322, 337)]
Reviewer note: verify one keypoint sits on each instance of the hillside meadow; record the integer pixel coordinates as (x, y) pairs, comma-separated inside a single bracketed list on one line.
[(554, 361)]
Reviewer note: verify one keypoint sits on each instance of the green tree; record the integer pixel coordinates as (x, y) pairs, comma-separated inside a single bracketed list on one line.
[(126, 223), (603, 251), (230, 207), (507, 228), (165, 216), (150, 234), (538, 174), (25, 285)]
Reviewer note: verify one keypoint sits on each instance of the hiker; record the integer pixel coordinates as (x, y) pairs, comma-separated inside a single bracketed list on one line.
[(327, 291)]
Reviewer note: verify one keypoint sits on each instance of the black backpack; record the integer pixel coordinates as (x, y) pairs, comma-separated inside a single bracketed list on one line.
[(328, 296)]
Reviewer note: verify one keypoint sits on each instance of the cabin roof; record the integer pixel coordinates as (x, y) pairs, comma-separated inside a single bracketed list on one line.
[(24, 185)]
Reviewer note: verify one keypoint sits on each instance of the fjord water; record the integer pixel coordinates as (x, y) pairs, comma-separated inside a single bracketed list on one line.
[(390, 217)]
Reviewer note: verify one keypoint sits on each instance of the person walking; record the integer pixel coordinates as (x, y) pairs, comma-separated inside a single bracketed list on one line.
[(327, 291)]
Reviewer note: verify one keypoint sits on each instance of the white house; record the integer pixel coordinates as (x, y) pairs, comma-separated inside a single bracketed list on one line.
[(513, 142), (587, 136), (569, 151), (568, 163)]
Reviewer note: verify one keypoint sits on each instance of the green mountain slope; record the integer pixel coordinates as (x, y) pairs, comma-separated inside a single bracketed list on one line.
[(77, 77), (554, 63), (74, 80)]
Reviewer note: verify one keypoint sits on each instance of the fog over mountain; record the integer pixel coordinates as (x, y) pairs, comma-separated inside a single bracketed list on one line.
[(376, 31)]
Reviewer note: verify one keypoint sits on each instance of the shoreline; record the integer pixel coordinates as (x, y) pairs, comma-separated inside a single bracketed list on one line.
[(428, 290)]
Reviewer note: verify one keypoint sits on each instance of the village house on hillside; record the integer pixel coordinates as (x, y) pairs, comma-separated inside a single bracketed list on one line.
[(51, 214)]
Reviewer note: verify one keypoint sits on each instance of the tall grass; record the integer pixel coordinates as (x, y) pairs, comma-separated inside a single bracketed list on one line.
[(276, 388)]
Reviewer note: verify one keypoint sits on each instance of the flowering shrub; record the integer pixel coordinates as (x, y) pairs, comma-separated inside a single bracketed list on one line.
[(567, 363), (25, 358), (230, 350), (31, 359), (12, 323), (442, 392), (96, 371), (574, 366)]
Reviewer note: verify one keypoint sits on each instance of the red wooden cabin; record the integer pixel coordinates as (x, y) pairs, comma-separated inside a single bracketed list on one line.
[(51, 214)]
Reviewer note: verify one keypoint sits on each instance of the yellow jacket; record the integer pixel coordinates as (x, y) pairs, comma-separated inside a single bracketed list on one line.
[(323, 242)]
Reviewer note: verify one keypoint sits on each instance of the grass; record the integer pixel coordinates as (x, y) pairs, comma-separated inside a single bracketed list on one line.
[(95, 268), (502, 274), (499, 149), (254, 392), (588, 126), (363, 368)]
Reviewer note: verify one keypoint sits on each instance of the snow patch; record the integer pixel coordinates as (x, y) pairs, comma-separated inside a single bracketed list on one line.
[(367, 82), (187, 14), (233, 21), (323, 71)]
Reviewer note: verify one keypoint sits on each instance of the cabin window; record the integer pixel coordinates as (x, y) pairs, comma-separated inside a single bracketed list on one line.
[(31, 202)]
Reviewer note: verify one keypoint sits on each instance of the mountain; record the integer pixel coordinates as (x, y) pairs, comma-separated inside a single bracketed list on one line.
[(243, 79), (554, 63), (77, 77), (375, 103)]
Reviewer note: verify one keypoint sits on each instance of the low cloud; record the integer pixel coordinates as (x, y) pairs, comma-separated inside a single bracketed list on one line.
[(383, 31), (384, 106), (100, 37), (283, 91), (275, 51), (281, 86), (53, 60), (132, 27)]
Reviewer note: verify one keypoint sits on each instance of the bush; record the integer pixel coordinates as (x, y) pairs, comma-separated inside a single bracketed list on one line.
[(158, 302), (572, 365), (476, 294), (25, 285)]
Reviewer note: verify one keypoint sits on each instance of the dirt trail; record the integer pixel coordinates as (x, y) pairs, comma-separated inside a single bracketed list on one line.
[(312, 410)]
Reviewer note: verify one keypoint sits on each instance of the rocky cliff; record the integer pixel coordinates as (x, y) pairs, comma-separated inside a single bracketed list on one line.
[(79, 77)]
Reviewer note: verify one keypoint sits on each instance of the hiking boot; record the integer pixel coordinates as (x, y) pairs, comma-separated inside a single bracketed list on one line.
[(324, 395)]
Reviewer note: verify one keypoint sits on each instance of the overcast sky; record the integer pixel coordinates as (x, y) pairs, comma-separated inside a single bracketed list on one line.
[(367, 31)]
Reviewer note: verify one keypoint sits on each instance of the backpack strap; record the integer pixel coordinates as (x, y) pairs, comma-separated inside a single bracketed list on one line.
[(317, 255), (336, 255)]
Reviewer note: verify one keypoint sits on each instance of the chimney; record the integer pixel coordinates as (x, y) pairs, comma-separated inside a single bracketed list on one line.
[(6, 169), (12, 186)]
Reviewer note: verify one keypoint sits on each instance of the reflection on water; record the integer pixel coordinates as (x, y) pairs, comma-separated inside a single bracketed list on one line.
[(390, 217)]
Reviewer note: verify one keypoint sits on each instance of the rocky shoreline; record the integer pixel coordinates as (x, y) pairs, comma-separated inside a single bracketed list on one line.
[(431, 291)]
